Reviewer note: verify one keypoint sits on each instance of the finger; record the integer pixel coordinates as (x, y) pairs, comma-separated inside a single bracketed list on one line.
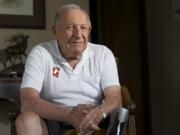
[(82, 132), (86, 132), (87, 108), (95, 127), (90, 132), (85, 111), (87, 122)]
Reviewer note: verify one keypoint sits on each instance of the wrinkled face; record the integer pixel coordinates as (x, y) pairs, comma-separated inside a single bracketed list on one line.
[(72, 33)]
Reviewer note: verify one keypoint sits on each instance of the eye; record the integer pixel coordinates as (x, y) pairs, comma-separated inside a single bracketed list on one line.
[(69, 27), (84, 28)]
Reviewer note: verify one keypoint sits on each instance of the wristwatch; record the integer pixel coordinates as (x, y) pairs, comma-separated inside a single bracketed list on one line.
[(103, 112)]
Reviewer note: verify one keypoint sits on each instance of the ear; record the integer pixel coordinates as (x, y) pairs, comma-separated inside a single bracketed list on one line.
[(54, 30), (90, 28)]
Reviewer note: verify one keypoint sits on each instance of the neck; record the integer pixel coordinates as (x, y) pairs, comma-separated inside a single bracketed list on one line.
[(69, 56), (72, 62), (73, 58)]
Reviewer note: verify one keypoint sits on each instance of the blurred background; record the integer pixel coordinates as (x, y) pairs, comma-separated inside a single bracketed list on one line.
[(145, 36)]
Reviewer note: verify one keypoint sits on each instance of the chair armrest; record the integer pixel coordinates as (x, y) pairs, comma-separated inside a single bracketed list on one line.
[(13, 114), (128, 103), (12, 117)]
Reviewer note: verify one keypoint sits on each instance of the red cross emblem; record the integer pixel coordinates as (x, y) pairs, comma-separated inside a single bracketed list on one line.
[(56, 71)]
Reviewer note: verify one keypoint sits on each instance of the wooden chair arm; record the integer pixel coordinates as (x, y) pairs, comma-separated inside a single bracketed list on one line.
[(12, 117), (127, 101), (131, 106)]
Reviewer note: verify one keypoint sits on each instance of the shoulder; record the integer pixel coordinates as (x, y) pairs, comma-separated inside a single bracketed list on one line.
[(44, 48), (99, 50)]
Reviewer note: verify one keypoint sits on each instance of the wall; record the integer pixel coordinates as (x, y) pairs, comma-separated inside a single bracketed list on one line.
[(164, 67), (36, 36)]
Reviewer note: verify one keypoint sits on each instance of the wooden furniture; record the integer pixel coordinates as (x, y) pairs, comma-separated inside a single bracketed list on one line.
[(9, 91), (131, 106)]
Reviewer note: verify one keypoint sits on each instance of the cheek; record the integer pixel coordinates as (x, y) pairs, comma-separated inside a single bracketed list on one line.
[(64, 36), (67, 36), (86, 36)]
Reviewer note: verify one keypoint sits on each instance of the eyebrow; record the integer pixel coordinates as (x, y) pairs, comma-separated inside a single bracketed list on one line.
[(76, 25)]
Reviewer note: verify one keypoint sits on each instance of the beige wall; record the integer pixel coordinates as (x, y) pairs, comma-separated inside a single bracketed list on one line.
[(36, 36)]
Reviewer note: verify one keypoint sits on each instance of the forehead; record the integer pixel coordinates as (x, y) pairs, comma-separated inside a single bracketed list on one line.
[(74, 16)]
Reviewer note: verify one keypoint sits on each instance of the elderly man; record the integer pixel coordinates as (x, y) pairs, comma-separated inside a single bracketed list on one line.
[(68, 82)]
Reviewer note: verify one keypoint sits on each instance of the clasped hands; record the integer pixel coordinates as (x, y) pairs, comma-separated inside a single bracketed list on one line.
[(85, 118)]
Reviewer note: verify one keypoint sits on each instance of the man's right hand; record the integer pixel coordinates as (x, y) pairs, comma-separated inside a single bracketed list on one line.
[(77, 114)]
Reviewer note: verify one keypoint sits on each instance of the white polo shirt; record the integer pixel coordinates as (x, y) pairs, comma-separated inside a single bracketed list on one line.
[(51, 75)]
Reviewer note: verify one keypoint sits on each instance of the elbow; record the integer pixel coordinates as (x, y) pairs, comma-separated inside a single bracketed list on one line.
[(25, 107), (119, 101)]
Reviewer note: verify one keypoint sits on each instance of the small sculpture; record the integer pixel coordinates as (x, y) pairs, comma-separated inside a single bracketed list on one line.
[(12, 56)]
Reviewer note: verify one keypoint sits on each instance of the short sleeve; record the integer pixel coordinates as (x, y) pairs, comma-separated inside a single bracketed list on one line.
[(109, 74), (34, 70)]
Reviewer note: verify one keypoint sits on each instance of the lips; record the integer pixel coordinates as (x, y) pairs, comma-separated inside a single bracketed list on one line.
[(76, 43)]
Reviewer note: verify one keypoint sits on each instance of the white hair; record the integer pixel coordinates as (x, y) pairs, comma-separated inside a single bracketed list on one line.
[(61, 11)]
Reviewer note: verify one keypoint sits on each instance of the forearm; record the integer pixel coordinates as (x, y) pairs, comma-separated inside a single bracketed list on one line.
[(46, 109), (109, 104), (112, 100)]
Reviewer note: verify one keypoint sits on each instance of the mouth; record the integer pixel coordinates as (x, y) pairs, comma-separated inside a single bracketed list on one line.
[(76, 43)]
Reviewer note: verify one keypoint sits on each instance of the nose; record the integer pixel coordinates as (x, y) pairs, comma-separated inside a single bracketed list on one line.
[(77, 32)]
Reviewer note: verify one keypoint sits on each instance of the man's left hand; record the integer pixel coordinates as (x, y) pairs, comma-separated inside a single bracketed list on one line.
[(91, 121)]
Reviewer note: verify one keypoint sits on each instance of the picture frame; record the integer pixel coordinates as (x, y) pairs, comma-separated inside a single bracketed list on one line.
[(36, 20)]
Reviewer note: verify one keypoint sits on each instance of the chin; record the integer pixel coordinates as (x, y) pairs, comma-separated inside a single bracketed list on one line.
[(77, 52), (78, 49)]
